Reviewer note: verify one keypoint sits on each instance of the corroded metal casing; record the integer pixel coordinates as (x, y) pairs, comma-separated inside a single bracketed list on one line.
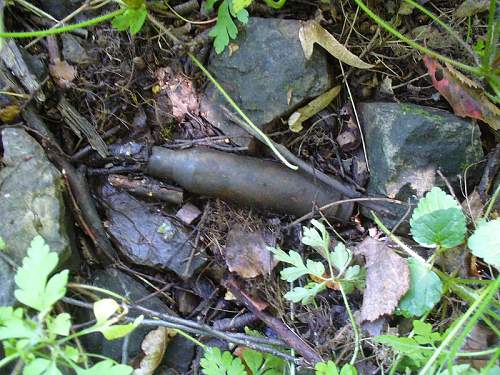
[(262, 184)]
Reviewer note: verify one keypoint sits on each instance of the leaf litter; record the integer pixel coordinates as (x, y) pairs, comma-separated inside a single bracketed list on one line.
[(387, 279)]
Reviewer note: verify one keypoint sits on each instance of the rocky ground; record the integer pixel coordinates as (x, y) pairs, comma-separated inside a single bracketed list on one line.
[(185, 234)]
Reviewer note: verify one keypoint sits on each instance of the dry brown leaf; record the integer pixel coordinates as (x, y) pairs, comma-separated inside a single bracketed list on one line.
[(310, 109), (246, 253), (387, 279), (154, 345), (62, 72), (311, 32), (479, 339), (473, 206), (179, 90)]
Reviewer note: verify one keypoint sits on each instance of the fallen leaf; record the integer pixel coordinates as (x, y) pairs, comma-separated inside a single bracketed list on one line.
[(349, 138), (62, 73), (387, 279), (154, 345), (310, 109), (470, 7), (473, 206), (465, 100), (246, 253), (480, 338), (179, 90), (311, 32)]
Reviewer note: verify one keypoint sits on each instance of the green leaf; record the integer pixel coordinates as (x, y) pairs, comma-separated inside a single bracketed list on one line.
[(424, 334), (341, 257), (108, 367), (326, 368), (60, 325), (315, 268), (425, 290), (404, 345), (318, 238), (239, 5), (34, 290), (2, 242), (290, 274), (305, 295), (113, 332), (209, 5), (216, 363), (38, 367), (138, 18), (348, 369), (15, 327), (71, 353), (242, 16), (104, 309), (131, 19), (438, 220), (485, 242), (224, 29), (253, 359)]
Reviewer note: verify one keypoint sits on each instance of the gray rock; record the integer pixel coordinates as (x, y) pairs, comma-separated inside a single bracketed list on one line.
[(7, 283), (31, 199), (146, 235), (72, 49), (268, 75), (407, 144), (119, 282)]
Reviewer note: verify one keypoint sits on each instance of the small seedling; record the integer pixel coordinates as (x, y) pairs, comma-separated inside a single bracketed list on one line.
[(41, 339), (340, 273)]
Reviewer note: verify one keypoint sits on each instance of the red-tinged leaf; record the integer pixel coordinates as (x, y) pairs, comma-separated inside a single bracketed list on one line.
[(465, 100)]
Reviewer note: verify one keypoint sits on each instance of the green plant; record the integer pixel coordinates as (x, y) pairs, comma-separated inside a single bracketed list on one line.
[(341, 275), (484, 67), (330, 368), (40, 338), (438, 222), (225, 28), (215, 362), (131, 16)]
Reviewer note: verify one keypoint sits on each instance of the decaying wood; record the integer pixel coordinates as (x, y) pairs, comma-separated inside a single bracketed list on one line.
[(147, 188), (13, 59), (80, 125)]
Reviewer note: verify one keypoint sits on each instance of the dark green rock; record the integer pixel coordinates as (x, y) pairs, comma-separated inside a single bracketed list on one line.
[(268, 75), (31, 200), (119, 282), (407, 144)]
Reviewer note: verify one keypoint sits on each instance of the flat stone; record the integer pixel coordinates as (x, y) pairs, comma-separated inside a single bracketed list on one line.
[(146, 235), (267, 75), (31, 200), (406, 145)]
